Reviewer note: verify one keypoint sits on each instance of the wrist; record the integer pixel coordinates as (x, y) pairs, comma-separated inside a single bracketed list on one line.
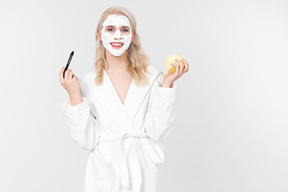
[(75, 96), (75, 99), (167, 82), (166, 85)]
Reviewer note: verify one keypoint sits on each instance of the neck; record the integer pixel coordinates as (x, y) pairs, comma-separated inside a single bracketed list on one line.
[(117, 64)]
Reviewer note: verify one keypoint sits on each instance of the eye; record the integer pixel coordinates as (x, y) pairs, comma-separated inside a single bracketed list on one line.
[(125, 30), (109, 29)]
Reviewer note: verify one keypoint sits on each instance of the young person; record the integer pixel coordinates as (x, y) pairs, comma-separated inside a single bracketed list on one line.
[(122, 111)]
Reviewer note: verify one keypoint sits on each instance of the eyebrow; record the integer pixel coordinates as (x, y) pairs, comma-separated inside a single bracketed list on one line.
[(124, 26)]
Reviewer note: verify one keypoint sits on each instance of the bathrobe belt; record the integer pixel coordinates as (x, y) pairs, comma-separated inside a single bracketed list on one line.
[(155, 153)]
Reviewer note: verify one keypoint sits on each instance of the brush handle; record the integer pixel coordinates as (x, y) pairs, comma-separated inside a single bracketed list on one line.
[(68, 63)]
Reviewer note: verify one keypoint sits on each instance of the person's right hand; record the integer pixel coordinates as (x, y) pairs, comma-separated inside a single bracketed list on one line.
[(70, 83)]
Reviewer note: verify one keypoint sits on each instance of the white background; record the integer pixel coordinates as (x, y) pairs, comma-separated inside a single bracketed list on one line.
[(231, 127)]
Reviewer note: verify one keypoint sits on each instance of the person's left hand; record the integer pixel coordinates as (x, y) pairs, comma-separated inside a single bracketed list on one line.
[(169, 79)]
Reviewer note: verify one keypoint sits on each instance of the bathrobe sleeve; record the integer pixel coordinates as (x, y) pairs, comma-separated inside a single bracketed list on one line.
[(161, 111), (83, 125)]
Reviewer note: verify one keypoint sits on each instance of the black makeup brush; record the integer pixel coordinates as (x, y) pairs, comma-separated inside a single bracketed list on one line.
[(68, 63)]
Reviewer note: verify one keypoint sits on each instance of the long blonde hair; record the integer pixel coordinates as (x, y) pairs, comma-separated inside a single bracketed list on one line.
[(138, 60)]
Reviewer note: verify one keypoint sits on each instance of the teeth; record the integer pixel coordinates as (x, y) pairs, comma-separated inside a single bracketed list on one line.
[(116, 44)]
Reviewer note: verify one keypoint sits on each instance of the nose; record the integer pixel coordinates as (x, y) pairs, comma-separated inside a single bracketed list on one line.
[(117, 34)]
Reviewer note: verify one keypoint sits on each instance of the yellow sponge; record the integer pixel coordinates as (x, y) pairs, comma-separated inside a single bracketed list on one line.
[(171, 59)]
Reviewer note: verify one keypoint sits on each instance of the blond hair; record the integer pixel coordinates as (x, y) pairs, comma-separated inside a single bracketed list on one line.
[(138, 60)]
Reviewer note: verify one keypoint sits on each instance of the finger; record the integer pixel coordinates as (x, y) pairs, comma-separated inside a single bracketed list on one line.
[(177, 69), (186, 65), (61, 74), (74, 77), (70, 75), (181, 66), (67, 73), (178, 61), (61, 71), (64, 73)]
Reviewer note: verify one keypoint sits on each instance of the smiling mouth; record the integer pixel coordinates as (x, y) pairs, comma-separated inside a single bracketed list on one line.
[(117, 45)]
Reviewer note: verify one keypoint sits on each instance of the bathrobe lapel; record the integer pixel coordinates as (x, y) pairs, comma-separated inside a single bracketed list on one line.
[(136, 96), (123, 113)]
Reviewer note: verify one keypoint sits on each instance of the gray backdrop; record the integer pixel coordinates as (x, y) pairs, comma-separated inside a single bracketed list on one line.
[(230, 132)]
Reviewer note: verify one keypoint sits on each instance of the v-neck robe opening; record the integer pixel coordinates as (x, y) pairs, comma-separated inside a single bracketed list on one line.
[(115, 90)]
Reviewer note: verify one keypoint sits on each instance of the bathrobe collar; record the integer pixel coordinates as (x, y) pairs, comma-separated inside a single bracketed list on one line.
[(107, 93)]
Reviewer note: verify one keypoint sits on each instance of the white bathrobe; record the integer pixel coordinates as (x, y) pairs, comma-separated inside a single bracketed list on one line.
[(124, 140)]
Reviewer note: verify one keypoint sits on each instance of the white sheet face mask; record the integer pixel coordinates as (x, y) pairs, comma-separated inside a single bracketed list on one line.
[(116, 38)]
